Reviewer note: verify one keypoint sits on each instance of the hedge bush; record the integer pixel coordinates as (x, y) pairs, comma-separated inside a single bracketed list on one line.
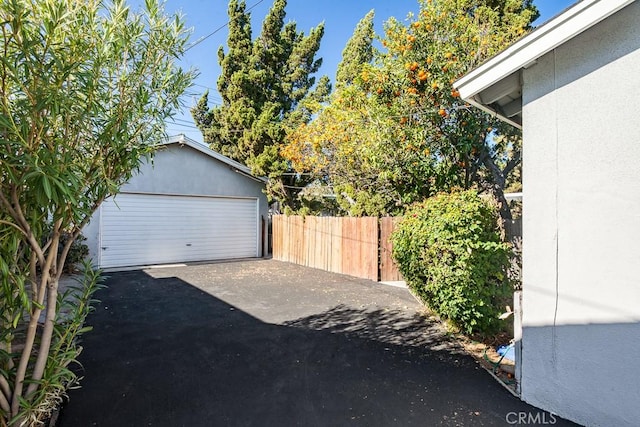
[(449, 251)]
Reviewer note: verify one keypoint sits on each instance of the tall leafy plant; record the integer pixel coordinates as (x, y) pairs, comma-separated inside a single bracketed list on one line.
[(449, 250), (85, 88)]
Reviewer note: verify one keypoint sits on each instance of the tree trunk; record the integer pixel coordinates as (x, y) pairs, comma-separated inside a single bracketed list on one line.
[(505, 210), (48, 267), (47, 334), (497, 185)]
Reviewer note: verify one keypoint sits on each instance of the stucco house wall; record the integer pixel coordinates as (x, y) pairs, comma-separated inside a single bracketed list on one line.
[(179, 169), (581, 228)]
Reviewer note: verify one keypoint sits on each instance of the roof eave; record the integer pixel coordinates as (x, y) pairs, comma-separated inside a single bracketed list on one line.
[(527, 50)]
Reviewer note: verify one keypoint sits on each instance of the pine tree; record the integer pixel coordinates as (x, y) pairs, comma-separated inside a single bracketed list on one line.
[(358, 51), (263, 85)]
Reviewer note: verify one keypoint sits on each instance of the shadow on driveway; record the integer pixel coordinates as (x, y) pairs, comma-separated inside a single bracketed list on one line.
[(164, 352)]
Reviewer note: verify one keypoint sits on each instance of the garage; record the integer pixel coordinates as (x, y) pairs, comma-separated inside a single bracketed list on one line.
[(143, 229), (188, 204)]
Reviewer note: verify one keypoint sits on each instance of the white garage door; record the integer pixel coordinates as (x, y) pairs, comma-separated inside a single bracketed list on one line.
[(143, 229)]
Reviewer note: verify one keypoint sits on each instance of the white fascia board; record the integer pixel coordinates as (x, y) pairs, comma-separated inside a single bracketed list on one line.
[(545, 38), (181, 139)]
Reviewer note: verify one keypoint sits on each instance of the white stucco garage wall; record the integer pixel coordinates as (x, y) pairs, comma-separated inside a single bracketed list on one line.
[(178, 169), (581, 229)]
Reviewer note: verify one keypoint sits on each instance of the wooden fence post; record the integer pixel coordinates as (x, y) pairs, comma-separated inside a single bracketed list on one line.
[(388, 269)]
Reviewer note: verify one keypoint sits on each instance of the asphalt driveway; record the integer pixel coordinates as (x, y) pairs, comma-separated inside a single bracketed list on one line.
[(267, 343)]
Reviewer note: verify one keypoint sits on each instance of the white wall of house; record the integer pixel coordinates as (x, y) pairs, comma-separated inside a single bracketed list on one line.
[(581, 229), (182, 170)]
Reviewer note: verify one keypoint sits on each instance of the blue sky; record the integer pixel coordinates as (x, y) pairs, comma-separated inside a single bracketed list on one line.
[(339, 16)]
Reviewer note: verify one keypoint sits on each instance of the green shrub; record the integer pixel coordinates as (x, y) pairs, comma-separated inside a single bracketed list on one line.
[(449, 251)]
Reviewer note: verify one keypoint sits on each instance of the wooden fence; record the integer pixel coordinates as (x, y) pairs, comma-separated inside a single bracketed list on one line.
[(358, 247)]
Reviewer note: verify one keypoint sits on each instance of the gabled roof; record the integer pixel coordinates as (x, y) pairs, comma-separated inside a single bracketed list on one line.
[(236, 166), (496, 85)]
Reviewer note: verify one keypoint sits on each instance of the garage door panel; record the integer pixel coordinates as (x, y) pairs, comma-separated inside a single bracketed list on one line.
[(140, 229)]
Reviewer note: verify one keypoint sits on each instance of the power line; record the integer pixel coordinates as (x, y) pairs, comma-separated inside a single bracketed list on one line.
[(208, 88), (183, 126), (177, 130), (205, 87), (212, 97), (203, 38), (190, 96), (182, 120)]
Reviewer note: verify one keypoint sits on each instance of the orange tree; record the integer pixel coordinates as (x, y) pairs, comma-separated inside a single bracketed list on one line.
[(359, 148), (400, 132)]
